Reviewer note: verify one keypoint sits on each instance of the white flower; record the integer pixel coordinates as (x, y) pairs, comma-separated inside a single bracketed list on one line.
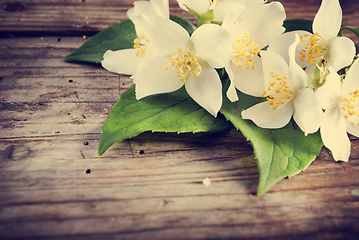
[(184, 60), (287, 94), (220, 7), (251, 31), (129, 61), (323, 44), (341, 104)]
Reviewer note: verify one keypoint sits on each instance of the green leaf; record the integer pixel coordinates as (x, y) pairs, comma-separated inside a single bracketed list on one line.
[(298, 24), (193, 12), (353, 29), (184, 23), (117, 37), (170, 112), (281, 152), (205, 18)]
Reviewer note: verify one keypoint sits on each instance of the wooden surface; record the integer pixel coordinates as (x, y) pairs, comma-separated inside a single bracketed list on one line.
[(53, 185)]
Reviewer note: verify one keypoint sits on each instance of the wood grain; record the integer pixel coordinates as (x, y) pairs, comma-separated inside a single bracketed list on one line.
[(53, 185)]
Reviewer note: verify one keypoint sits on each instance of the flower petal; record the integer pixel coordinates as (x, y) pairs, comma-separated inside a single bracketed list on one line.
[(264, 116), (212, 44), (263, 23), (334, 136), (154, 79), (328, 19), (281, 45), (273, 61), (165, 35), (226, 7), (341, 53), (232, 93), (161, 7), (123, 61), (328, 95), (200, 6), (351, 81), (298, 77), (141, 7), (206, 90), (307, 112), (248, 81)]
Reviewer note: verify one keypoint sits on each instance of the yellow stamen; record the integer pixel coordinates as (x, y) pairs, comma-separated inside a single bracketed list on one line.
[(186, 64), (141, 44), (313, 50), (279, 91), (213, 3), (243, 50), (350, 107)]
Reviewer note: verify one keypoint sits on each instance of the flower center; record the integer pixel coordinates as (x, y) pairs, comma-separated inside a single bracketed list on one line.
[(141, 44), (320, 74), (243, 50), (349, 105), (213, 3), (279, 91), (314, 48), (186, 64)]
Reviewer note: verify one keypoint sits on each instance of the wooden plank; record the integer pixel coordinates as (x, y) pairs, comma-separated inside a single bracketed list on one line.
[(53, 185), (160, 193), (43, 95), (77, 17)]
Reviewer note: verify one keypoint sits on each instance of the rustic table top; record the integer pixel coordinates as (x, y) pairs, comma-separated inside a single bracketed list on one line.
[(54, 186)]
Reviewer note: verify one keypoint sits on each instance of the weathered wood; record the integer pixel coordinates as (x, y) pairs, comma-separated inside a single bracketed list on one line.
[(53, 185), (74, 17)]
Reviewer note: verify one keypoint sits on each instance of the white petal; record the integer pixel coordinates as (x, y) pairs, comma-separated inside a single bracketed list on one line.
[(206, 90), (307, 112), (229, 20), (264, 116), (281, 45), (351, 81), (272, 61), (154, 79), (263, 23), (298, 77), (341, 53), (249, 81), (123, 61), (328, 95), (310, 70), (161, 7), (334, 134), (165, 35), (226, 7), (328, 19), (149, 55), (200, 6), (212, 44), (141, 7), (232, 93)]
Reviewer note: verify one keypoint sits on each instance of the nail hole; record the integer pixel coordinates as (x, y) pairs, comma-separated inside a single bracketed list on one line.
[(68, 113), (59, 39), (13, 6), (141, 152), (70, 81), (86, 143), (88, 171)]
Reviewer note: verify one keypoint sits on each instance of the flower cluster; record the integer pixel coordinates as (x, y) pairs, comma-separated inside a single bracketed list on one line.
[(295, 73)]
